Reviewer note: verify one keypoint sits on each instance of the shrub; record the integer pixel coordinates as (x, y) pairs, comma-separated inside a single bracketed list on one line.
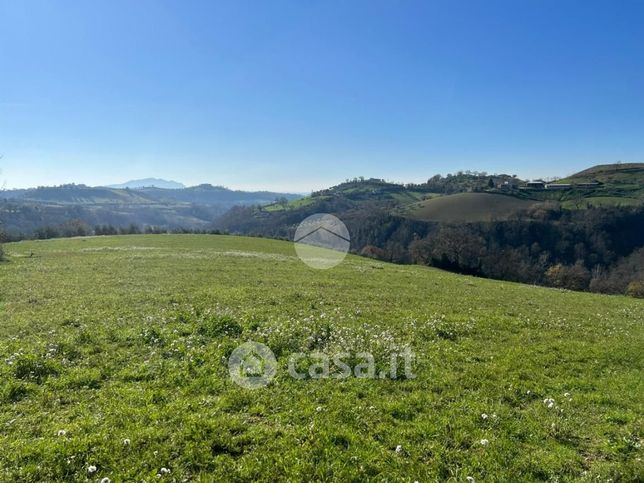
[(573, 277), (624, 277), (635, 289), (373, 252)]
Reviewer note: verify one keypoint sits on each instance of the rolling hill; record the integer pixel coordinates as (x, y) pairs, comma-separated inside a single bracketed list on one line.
[(625, 174), (621, 185), (114, 358), (475, 197), (24, 211), (468, 207), (204, 194), (486, 225), (463, 197)]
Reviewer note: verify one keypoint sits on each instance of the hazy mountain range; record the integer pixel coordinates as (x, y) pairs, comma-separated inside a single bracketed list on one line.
[(149, 183), (22, 211)]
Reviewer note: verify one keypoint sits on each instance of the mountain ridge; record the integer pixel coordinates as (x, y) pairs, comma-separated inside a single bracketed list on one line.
[(147, 183)]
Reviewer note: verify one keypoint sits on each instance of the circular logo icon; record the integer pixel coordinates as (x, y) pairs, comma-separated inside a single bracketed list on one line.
[(322, 241), (252, 365)]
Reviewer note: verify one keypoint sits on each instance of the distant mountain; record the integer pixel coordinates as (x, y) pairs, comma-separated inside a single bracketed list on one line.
[(205, 194), (24, 210), (148, 183)]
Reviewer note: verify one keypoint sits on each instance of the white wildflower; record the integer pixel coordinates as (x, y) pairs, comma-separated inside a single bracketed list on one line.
[(470, 479), (484, 442), (483, 416), (126, 442), (549, 402), (164, 471), (62, 432), (106, 480), (399, 449), (91, 469)]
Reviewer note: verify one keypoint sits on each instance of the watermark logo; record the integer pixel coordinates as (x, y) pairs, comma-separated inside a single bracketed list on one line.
[(322, 241), (252, 365)]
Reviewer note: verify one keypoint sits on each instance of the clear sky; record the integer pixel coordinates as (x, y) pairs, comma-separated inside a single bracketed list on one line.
[(297, 95)]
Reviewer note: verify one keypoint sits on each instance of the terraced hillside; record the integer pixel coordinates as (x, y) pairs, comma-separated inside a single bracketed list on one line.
[(114, 358), (621, 185)]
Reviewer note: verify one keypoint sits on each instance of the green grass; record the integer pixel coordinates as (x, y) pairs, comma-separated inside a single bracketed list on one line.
[(126, 338), (406, 197), (293, 204), (601, 201)]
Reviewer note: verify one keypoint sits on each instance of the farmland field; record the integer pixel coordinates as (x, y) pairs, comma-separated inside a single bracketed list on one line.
[(469, 207), (113, 364)]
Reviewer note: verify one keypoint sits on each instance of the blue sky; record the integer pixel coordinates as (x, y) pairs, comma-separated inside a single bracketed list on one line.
[(299, 95)]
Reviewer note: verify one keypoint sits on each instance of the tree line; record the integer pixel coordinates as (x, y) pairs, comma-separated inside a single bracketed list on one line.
[(599, 250), (595, 249), (76, 228)]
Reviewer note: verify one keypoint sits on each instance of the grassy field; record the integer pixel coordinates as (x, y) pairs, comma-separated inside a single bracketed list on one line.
[(468, 207), (114, 365), (292, 204), (601, 201)]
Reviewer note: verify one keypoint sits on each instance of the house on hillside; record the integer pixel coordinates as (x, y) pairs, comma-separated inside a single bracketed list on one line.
[(509, 184), (535, 185), (558, 186)]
